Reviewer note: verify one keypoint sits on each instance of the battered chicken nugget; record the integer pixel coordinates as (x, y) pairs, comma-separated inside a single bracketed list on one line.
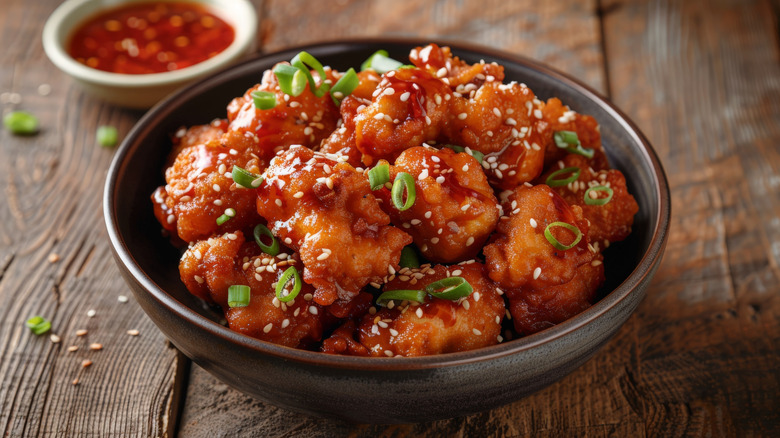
[(534, 310), (195, 135), (439, 62), (609, 222), (520, 255), (210, 267), (559, 117), (325, 210), (200, 188), (454, 211), (304, 119), (438, 325)]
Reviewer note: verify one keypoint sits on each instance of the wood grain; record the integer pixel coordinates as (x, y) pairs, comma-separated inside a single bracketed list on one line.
[(706, 360)]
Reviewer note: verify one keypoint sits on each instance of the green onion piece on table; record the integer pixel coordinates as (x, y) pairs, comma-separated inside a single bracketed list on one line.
[(263, 100), (553, 180), (450, 288), (403, 183), (344, 86), (107, 136), (591, 195), (245, 178), (409, 258), (260, 231), (238, 295), (21, 123), (401, 295), (380, 62), (38, 325), (281, 293), (555, 242), (378, 176)]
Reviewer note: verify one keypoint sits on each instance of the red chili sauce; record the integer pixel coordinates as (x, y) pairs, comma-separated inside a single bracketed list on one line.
[(153, 37)]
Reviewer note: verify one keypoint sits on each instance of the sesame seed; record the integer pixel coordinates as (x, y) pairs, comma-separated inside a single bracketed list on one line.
[(469, 241), (477, 296), (440, 179), (465, 304), (419, 312), (537, 272), (54, 339), (133, 332), (595, 262), (85, 363), (218, 202), (298, 195), (538, 113), (95, 346), (379, 116), (313, 310), (465, 168), (442, 72), (476, 332), (497, 111), (81, 332), (278, 202), (54, 258), (434, 240), (533, 222), (216, 187), (323, 256), (73, 348), (462, 116), (388, 353), (428, 120), (91, 313), (499, 338), (268, 327)]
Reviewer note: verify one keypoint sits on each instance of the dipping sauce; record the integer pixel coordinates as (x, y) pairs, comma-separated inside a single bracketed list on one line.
[(153, 37)]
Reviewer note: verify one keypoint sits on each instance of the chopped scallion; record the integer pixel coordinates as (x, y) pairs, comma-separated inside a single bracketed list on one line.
[(403, 183), (555, 242), (591, 195), (450, 288), (409, 258), (238, 295), (107, 136), (479, 156), (290, 274), (38, 325), (553, 180), (569, 141), (263, 100), (21, 123), (224, 218), (245, 178), (344, 86), (378, 176), (381, 62), (304, 62), (291, 80), (401, 295), (260, 231)]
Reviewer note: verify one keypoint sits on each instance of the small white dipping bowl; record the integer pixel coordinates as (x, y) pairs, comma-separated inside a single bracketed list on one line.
[(143, 90)]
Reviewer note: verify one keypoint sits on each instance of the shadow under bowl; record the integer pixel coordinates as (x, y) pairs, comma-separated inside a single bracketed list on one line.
[(376, 390)]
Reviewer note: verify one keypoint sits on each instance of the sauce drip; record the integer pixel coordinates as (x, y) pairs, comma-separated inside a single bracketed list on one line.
[(153, 37)]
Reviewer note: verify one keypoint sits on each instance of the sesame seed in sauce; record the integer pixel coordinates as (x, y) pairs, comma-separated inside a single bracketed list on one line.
[(313, 310), (419, 312), (537, 272), (462, 116), (470, 241), (268, 327), (278, 202), (533, 222), (476, 332)]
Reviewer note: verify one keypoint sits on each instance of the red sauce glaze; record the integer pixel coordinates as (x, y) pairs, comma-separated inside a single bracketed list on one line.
[(153, 37)]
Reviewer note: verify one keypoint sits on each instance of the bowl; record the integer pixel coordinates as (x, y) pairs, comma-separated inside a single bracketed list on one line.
[(376, 390), (141, 91)]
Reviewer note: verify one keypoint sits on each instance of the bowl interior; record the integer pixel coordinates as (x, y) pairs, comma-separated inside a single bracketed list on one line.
[(138, 169)]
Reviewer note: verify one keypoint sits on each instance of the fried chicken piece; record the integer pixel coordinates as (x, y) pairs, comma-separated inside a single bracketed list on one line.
[(535, 309), (455, 209), (304, 119), (438, 325), (211, 266), (610, 222), (520, 255), (325, 210), (200, 188), (439, 62), (342, 140), (195, 135), (559, 117)]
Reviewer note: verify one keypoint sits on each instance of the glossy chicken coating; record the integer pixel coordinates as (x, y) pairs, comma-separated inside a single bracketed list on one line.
[(304, 119), (195, 135), (438, 325), (535, 309), (559, 117), (342, 140), (325, 210), (454, 211), (211, 266), (456, 73), (200, 188), (610, 222), (520, 255)]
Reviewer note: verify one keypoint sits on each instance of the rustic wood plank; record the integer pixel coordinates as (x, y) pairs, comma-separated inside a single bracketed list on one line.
[(708, 335), (52, 186)]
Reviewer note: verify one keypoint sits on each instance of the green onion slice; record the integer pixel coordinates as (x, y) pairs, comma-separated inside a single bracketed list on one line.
[(304, 62), (245, 178), (238, 295), (378, 176), (224, 218), (552, 180), (263, 100), (590, 200), (38, 325), (409, 258), (403, 183), (21, 123), (381, 62), (401, 295), (450, 288), (292, 80), (569, 141), (281, 293), (260, 231), (107, 136), (557, 244), (479, 156), (344, 86)]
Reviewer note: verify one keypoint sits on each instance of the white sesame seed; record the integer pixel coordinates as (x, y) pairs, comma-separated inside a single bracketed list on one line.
[(462, 116), (388, 353), (497, 111), (268, 327), (91, 313), (465, 168), (533, 222), (285, 323), (379, 116), (81, 332), (476, 332), (419, 312), (54, 339), (323, 256), (442, 72), (469, 241), (73, 348), (313, 310), (133, 332), (537, 272), (216, 187), (278, 202), (465, 304), (122, 299)]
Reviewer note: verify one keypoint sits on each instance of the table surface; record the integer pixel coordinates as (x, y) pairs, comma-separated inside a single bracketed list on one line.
[(699, 357)]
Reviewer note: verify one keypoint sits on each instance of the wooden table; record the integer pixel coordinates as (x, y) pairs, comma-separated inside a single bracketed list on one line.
[(699, 357)]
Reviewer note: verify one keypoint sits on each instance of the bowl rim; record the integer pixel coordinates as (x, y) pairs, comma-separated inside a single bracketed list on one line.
[(644, 269), (244, 25)]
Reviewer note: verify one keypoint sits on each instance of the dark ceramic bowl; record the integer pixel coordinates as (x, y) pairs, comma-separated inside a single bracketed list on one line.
[(377, 390)]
